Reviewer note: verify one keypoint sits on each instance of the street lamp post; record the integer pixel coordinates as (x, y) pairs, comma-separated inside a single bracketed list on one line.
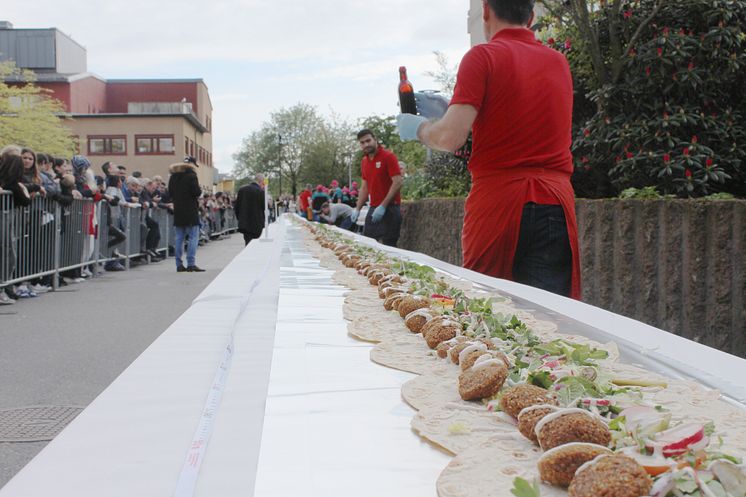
[(279, 162), (349, 170)]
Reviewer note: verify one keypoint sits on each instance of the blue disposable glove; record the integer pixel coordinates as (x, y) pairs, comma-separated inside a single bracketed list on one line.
[(355, 214), (430, 104), (378, 213), (408, 125)]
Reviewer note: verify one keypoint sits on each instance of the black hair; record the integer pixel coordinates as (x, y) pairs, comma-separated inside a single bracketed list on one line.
[(114, 181), (512, 11), (42, 158), (57, 162), (11, 171), (137, 174), (365, 132)]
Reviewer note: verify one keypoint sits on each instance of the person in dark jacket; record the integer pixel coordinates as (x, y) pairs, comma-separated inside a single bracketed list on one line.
[(249, 209), (184, 189), (11, 180)]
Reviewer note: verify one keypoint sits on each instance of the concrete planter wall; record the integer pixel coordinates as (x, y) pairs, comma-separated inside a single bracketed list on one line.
[(675, 264)]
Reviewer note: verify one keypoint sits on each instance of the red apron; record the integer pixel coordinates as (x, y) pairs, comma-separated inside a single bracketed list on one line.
[(492, 219)]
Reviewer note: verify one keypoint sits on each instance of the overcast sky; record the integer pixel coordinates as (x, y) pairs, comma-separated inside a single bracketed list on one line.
[(257, 56)]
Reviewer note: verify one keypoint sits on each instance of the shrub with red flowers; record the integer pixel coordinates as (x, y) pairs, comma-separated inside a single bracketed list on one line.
[(662, 100)]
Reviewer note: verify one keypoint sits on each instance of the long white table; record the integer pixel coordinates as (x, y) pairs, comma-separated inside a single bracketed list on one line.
[(303, 411)]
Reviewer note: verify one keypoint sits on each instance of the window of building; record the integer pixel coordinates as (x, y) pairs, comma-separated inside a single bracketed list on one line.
[(154, 145), (107, 145)]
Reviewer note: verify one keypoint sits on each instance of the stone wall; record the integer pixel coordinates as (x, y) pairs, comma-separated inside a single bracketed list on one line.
[(675, 264)]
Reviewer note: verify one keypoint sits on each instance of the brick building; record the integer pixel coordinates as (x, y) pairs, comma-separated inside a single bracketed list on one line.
[(144, 124)]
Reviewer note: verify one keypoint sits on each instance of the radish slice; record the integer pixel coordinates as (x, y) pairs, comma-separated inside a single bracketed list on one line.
[(645, 420), (552, 364), (654, 465), (678, 440)]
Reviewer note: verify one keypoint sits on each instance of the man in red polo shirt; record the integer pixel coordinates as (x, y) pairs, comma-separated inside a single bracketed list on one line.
[(382, 180), (515, 95)]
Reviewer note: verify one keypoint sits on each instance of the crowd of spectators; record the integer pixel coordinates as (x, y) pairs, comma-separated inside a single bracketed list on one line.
[(331, 205), (26, 175)]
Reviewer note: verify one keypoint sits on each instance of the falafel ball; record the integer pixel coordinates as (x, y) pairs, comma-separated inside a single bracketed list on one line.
[(475, 384), (383, 286), (387, 292), (437, 320), (412, 303), (455, 352), (438, 334), (392, 299), (558, 466), (415, 320), (522, 396), (472, 357), (443, 347), (611, 476), (572, 425), (376, 276), (393, 278), (528, 418)]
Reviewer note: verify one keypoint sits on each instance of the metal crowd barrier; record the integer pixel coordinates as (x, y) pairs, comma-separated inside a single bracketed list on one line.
[(47, 238)]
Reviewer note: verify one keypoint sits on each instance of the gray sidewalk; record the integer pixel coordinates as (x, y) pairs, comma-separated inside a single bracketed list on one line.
[(64, 348)]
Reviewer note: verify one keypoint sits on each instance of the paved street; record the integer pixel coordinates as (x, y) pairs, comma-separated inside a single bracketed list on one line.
[(63, 349)]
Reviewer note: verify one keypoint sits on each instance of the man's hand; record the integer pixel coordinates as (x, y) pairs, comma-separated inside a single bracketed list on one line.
[(378, 213), (76, 195), (430, 104), (408, 125), (355, 214)]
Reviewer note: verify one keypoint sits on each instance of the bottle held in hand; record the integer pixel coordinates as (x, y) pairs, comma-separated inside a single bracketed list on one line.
[(407, 102)]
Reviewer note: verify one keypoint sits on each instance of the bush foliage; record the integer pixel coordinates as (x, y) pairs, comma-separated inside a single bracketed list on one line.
[(661, 98)]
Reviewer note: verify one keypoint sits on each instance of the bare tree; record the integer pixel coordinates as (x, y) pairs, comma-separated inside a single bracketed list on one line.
[(445, 74)]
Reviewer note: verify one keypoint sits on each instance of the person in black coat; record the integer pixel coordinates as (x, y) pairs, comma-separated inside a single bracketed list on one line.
[(183, 186), (249, 207)]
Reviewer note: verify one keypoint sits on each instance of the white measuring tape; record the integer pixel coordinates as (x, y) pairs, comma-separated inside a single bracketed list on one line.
[(187, 483)]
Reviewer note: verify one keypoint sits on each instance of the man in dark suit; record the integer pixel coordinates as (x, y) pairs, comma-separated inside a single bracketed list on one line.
[(249, 208)]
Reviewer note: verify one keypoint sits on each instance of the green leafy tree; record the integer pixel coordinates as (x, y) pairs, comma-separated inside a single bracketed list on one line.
[(299, 144), (331, 155), (29, 117)]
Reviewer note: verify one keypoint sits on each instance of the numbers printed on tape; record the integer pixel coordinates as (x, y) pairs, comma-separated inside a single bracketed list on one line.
[(187, 482)]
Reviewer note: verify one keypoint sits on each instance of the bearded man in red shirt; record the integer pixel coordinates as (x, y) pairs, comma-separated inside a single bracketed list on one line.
[(515, 95), (382, 180)]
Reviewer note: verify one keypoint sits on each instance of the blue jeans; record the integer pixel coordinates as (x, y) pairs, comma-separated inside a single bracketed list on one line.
[(180, 233), (543, 258), (386, 230)]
